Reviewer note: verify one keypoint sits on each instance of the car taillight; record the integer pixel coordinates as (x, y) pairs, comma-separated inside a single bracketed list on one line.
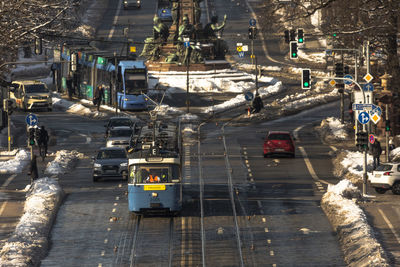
[(387, 173)]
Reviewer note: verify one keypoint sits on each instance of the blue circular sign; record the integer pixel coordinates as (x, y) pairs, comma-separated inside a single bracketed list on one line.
[(249, 96), (32, 119), (347, 81), (363, 117), (252, 22)]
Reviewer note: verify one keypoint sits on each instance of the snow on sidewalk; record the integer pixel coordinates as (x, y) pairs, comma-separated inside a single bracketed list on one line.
[(16, 164), (63, 160)]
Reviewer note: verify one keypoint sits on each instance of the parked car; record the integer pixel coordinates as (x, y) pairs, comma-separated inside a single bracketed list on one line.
[(119, 137), (30, 95), (110, 162), (132, 4), (119, 121), (279, 143), (386, 177)]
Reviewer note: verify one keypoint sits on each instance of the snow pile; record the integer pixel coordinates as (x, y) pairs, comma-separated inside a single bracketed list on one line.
[(349, 165), (313, 57), (336, 129), (71, 107), (356, 237), (16, 164), (188, 117), (62, 161), (29, 243), (310, 101), (395, 155), (250, 67), (240, 100)]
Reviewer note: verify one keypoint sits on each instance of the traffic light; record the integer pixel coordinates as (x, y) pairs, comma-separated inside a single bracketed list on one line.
[(8, 106), (38, 46), (292, 35), (293, 50), (287, 36), (300, 36), (387, 125), (252, 33), (346, 70), (306, 79), (362, 140), (31, 136), (339, 70)]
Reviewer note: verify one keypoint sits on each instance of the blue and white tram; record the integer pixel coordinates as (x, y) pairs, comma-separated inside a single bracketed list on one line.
[(133, 83), (155, 183)]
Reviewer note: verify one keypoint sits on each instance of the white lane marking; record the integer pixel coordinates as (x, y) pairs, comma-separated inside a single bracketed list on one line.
[(264, 219), (115, 204), (88, 138), (116, 198), (269, 241), (105, 241), (296, 132), (250, 174), (113, 210), (271, 253), (108, 229), (100, 265), (310, 167), (390, 225), (103, 253), (2, 208), (9, 180), (110, 35), (266, 230)]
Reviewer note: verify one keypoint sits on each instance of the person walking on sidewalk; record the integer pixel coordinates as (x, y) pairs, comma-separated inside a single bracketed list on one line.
[(69, 87), (376, 151), (33, 170), (98, 96)]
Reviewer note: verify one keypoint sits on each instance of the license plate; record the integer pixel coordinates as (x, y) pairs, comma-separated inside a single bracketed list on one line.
[(377, 175), (154, 187), (279, 150)]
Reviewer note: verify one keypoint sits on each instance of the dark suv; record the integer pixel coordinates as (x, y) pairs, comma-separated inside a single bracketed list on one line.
[(110, 162)]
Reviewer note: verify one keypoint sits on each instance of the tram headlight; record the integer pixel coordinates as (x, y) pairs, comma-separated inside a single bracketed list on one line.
[(126, 99), (154, 194), (97, 165), (124, 164)]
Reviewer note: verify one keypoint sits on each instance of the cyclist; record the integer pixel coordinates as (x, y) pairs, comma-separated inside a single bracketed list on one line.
[(43, 139)]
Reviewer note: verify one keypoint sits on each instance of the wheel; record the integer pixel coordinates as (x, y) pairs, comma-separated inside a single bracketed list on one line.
[(380, 190), (265, 156), (396, 188), (49, 109), (293, 155), (95, 178)]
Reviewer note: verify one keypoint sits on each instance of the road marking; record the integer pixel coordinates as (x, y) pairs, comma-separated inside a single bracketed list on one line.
[(333, 148), (271, 253), (264, 219), (113, 210), (266, 230), (390, 225), (183, 245), (116, 198), (310, 167), (115, 204), (259, 204), (103, 253), (105, 241), (9, 180), (100, 265), (250, 174), (2, 208), (296, 132), (110, 35), (108, 229), (269, 241)]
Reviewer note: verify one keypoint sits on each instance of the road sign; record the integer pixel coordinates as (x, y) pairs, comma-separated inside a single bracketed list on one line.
[(241, 54), (328, 52), (363, 117), (368, 77), (376, 109), (239, 48), (252, 22), (186, 44), (371, 138), (347, 81), (248, 96), (375, 118), (362, 106), (245, 48), (332, 82), (32, 119), (368, 87)]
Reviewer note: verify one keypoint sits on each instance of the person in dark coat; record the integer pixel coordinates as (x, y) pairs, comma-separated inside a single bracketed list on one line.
[(43, 138), (69, 87), (257, 104), (376, 151), (351, 112), (33, 170), (98, 96)]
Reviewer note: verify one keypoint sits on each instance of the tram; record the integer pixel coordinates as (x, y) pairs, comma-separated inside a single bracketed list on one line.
[(155, 181), (133, 83)]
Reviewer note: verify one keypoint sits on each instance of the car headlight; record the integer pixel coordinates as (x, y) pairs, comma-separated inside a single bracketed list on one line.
[(97, 165), (125, 2), (126, 99), (124, 164), (109, 143)]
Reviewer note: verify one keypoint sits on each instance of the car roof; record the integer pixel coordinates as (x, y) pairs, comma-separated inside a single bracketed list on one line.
[(28, 82), (279, 132)]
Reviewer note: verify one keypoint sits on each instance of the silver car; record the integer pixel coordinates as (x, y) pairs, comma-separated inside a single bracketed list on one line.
[(110, 162), (119, 137)]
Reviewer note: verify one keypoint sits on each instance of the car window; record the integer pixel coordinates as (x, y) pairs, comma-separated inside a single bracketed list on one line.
[(120, 122), (398, 168), (111, 154), (121, 133), (35, 88), (278, 137), (384, 168)]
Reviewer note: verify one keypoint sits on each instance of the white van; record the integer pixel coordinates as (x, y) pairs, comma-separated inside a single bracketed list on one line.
[(31, 95)]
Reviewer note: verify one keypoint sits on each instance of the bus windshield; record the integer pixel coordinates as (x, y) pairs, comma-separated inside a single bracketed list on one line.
[(153, 173), (35, 88)]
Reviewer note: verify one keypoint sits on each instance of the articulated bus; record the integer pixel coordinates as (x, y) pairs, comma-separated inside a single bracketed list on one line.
[(133, 83)]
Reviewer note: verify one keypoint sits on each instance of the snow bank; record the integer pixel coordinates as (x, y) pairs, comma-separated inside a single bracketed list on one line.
[(332, 130), (63, 160), (29, 243), (76, 108), (356, 237), (350, 165), (17, 164), (395, 155), (309, 102)]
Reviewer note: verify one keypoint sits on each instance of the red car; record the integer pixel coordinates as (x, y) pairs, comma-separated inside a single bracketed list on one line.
[(279, 142)]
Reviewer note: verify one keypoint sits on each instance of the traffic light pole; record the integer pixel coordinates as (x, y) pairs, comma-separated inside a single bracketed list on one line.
[(8, 131), (364, 186), (387, 133)]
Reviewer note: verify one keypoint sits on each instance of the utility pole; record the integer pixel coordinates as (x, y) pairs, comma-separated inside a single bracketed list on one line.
[(187, 81), (387, 132), (256, 70), (115, 83), (342, 94)]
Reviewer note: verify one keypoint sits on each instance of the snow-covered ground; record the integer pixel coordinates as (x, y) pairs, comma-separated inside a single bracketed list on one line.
[(63, 160), (16, 164)]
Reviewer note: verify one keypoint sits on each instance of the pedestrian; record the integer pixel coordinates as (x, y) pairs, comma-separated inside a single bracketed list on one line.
[(257, 104), (33, 170), (351, 112), (43, 139), (98, 96), (376, 151), (69, 86)]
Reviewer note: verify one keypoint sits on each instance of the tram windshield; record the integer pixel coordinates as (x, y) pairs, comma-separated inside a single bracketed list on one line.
[(135, 82), (151, 173)]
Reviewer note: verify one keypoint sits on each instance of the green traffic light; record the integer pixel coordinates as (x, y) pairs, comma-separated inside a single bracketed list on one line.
[(334, 35), (306, 84), (300, 40), (294, 55)]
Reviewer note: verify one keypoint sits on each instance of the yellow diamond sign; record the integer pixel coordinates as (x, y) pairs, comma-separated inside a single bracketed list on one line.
[(239, 48), (332, 82), (375, 118), (368, 77)]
